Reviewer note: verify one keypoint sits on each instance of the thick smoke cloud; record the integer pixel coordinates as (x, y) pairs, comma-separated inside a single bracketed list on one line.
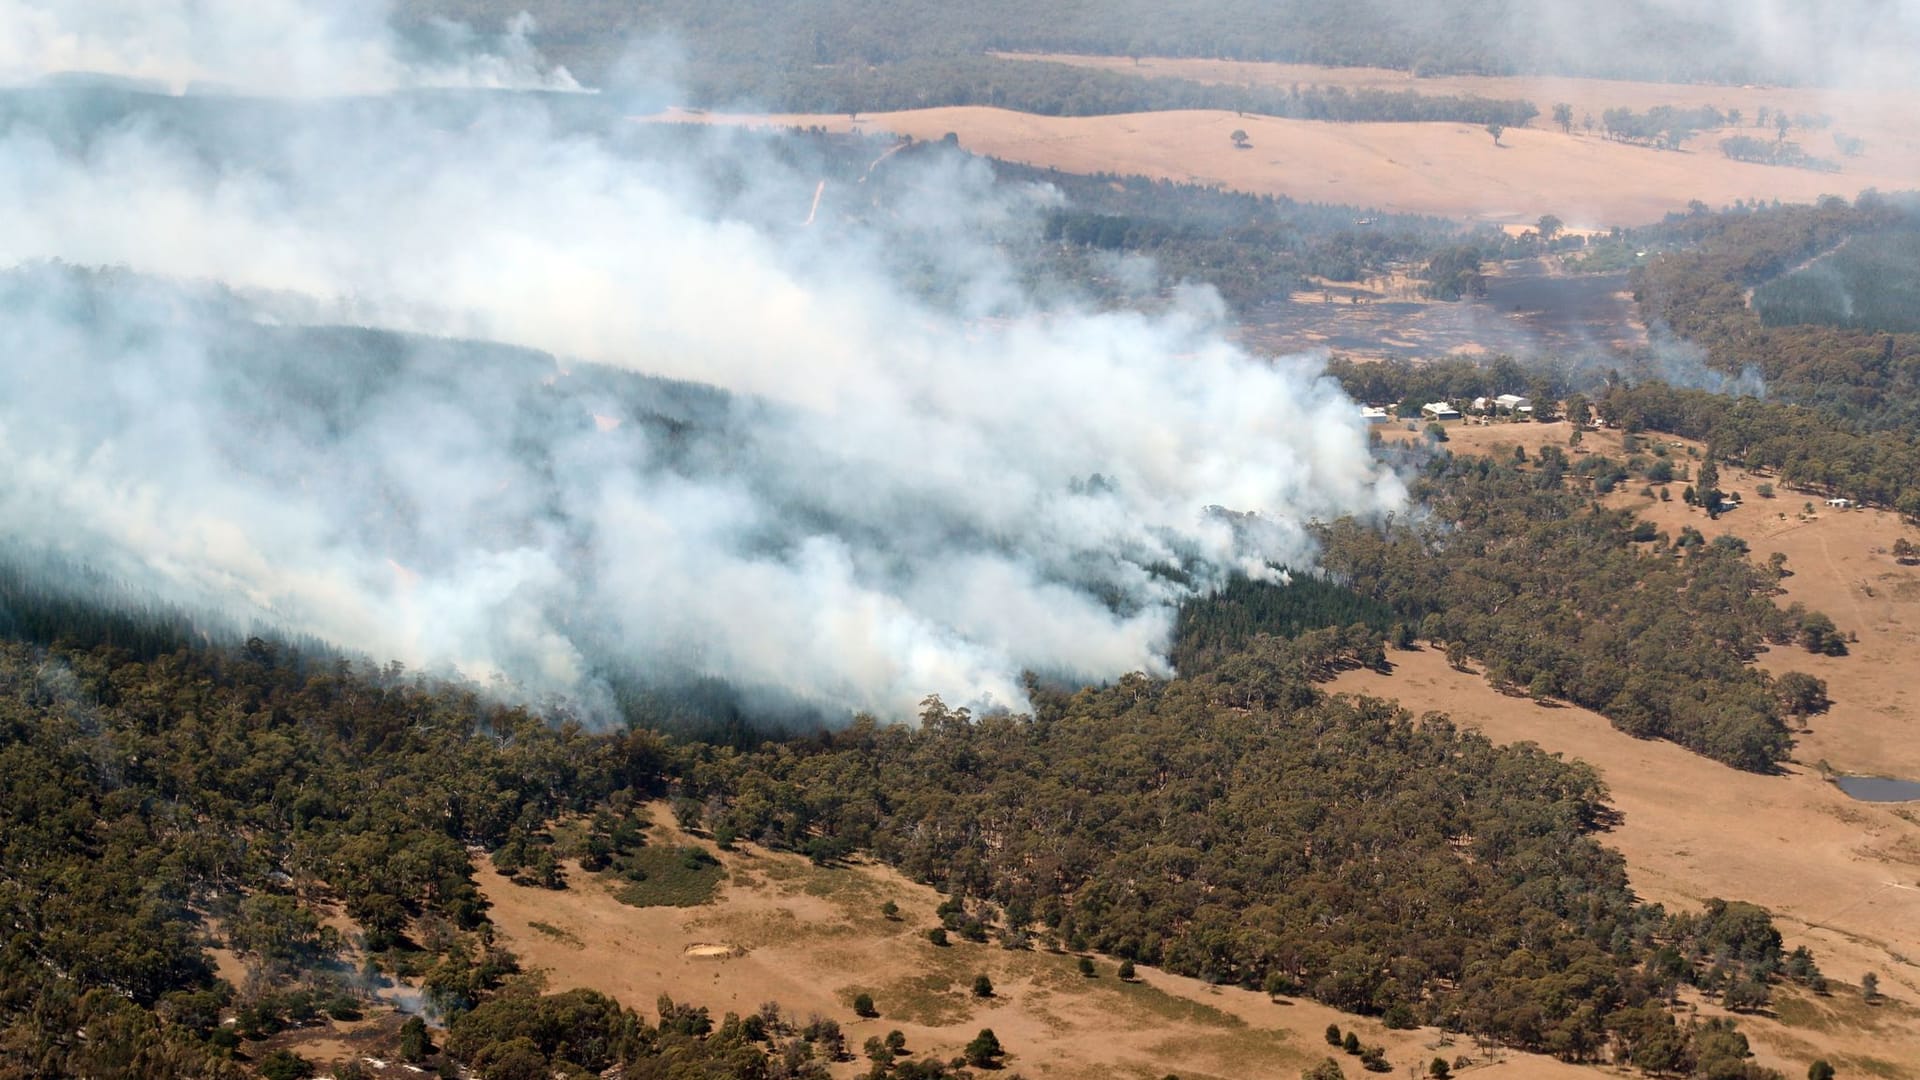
[(289, 48), (900, 488)]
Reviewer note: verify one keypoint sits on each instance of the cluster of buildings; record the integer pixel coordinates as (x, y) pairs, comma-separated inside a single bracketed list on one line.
[(1509, 404)]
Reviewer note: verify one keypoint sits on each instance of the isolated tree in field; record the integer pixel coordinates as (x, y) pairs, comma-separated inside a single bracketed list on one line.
[(1733, 117), (1328, 1069), (1086, 966), (1126, 972), (985, 1051), (1439, 1069), (1351, 1043), (1496, 129), (1333, 1034), (1904, 551), (890, 909), (938, 935), (863, 1006), (1820, 1070), (982, 986), (1240, 140), (1707, 487), (1563, 115)]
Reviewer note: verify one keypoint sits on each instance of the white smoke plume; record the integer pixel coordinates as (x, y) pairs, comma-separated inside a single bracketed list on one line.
[(281, 48), (894, 496)]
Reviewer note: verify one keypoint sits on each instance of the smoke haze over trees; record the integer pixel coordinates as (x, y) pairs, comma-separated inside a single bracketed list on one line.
[(913, 474)]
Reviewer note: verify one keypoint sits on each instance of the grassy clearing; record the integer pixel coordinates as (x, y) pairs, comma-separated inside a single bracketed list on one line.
[(668, 877), (1244, 1051)]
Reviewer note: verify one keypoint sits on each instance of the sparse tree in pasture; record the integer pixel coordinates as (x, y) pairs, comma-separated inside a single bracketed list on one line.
[(1240, 139), (1563, 115), (1496, 129), (985, 1051)]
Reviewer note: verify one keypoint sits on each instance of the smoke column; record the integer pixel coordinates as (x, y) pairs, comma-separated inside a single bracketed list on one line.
[(276, 402)]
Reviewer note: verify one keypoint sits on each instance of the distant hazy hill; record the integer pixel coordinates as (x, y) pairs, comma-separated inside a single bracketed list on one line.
[(1673, 40)]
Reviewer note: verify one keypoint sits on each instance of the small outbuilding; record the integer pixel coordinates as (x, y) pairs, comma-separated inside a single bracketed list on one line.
[(1439, 410), (1373, 414), (1514, 403)]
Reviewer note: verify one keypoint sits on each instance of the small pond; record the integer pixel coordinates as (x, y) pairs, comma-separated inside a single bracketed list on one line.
[(1879, 788)]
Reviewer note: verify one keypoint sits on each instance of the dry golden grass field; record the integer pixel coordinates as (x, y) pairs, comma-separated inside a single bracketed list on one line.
[(811, 938), (1449, 169)]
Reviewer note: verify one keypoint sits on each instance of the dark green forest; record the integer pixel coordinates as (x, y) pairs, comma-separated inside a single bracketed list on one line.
[(1868, 284)]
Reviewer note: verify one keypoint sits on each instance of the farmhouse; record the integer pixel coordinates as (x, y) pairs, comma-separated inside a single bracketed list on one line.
[(1840, 504), (1373, 414), (1514, 403), (1439, 410)]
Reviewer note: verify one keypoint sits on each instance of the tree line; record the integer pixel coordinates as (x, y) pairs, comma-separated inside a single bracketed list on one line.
[(1638, 39), (1055, 89)]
